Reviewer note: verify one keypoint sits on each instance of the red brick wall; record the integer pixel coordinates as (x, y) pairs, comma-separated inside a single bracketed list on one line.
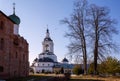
[(14, 56)]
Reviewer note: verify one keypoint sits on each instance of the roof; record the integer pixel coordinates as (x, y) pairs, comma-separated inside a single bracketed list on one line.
[(15, 18), (47, 52), (36, 59), (47, 38), (65, 60), (8, 17), (65, 66), (45, 59)]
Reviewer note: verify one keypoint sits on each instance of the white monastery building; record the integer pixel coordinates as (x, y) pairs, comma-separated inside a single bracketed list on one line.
[(47, 60)]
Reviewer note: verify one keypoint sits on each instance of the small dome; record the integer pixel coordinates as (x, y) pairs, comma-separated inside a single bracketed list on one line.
[(64, 60), (47, 38), (15, 18), (36, 59)]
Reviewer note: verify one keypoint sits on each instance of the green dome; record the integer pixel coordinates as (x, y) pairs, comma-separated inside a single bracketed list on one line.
[(15, 18)]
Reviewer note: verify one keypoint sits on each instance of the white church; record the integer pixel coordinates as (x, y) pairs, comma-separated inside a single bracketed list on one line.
[(47, 60)]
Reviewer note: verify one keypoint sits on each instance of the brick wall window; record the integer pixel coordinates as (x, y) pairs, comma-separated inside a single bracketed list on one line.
[(15, 42), (14, 73), (23, 57), (16, 55), (1, 44), (1, 69), (1, 25), (9, 56)]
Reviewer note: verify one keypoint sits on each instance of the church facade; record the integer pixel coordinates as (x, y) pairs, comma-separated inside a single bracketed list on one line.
[(47, 60), (13, 48)]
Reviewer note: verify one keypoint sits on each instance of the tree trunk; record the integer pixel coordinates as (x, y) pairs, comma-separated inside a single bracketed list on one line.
[(84, 54), (85, 65), (96, 53)]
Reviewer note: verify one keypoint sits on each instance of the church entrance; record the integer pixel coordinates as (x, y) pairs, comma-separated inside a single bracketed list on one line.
[(43, 71)]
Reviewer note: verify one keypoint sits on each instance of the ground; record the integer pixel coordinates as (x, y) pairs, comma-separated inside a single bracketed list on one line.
[(94, 78), (60, 77)]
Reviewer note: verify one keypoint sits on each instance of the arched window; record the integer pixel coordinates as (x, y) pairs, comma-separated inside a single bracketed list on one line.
[(47, 47), (1, 25), (23, 56), (14, 73), (16, 55), (1, 69), (1, 44), (9, 56)]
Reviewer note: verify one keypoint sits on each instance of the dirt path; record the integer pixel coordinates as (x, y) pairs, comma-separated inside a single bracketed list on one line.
[(46, 79), (54, 79)]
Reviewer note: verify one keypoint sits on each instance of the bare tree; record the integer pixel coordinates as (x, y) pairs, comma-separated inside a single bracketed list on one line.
[(102, 29), (77, 31)]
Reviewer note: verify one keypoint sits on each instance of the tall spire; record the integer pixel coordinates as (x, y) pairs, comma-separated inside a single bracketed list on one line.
[(47, 29), (47, 33), (13, 8)]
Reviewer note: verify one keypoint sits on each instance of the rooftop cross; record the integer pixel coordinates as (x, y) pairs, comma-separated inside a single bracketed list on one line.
[(13, 8)]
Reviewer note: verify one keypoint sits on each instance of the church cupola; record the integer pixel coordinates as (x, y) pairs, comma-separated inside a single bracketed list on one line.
[(13, 17), (47, 38), (48, 43), (16, 19), (65, 61)]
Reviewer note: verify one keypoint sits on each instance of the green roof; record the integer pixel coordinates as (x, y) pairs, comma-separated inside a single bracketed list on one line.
[(15, 18)]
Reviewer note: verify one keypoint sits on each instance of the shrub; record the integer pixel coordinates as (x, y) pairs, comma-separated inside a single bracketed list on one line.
[(77, 70)]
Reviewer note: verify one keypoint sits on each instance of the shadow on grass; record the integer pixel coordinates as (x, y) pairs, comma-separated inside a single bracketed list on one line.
[(84, 80), (28, 78)]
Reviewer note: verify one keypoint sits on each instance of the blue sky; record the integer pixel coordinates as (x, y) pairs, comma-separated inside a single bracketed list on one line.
[(36, 15)]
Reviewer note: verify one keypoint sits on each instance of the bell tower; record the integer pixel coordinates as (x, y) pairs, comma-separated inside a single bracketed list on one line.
[(48, 43), (48, 49)]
